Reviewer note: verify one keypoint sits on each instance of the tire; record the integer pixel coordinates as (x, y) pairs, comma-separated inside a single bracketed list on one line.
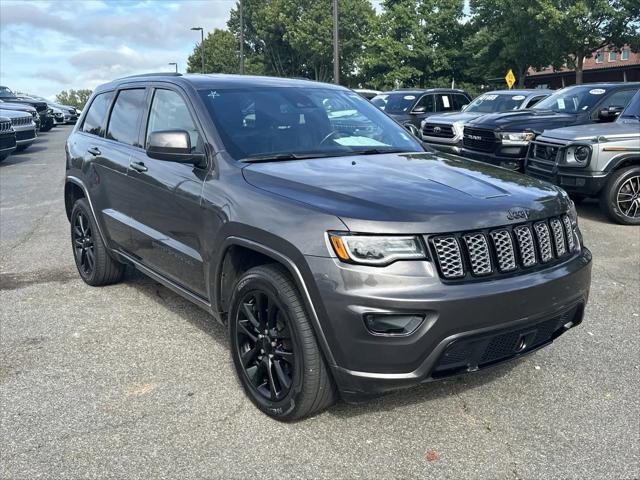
[(264, 342), (620, 198), (93, 261)]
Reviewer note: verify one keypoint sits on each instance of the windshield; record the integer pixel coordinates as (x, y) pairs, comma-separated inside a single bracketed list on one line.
[(6, 93), (398, 102), (572, 99), (309, 122), (633, 110), (495, 102)]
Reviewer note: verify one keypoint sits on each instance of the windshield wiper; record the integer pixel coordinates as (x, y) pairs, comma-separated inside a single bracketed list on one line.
[(375, 151), (278, 157)]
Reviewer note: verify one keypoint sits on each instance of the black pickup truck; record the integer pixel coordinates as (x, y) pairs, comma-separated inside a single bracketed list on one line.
[(503, 138), (44, 112)]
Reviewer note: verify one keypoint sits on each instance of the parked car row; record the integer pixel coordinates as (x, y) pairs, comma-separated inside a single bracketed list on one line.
[(568, 137), (23, 117)]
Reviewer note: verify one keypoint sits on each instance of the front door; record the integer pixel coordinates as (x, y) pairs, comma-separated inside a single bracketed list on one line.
[(168, 217)]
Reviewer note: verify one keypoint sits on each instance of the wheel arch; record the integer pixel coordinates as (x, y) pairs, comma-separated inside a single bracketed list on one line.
[(623, 161), (72, 192), (239, 255)]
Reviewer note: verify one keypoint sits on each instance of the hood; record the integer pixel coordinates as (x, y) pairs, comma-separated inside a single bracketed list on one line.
[(14, 113), (536, 120), (594, 131), (408, 193), (452, 117), (17, 106)]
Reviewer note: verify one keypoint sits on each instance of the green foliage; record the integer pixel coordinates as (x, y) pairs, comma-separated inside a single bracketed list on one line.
[(418, 43), (221, 54), (74, 98)]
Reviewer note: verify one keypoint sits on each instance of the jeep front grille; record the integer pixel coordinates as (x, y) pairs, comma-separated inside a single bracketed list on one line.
[(5, 127), (505, 250), (20, 121)]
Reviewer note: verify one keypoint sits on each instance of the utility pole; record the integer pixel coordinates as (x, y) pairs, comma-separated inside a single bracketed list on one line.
[(241, 38), (336, 47), (201, 44), (175, 64)]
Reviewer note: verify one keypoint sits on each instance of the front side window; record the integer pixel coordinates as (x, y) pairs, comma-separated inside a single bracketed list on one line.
[(534, 101), (620, 99), (633, 109), (575, 99), (124, 123), (427, 102), (169, 112), (94, 120), (310, 122), (444, 102), (459, 101)]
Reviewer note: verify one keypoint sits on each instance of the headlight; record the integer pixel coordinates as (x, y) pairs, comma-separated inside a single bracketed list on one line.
[(577, 156), (49, 111), (458, 128), (376, 250), (516, 138)]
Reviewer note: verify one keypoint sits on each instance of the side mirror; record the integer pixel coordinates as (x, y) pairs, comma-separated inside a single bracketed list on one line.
[(419, 109), (610, 113), (172, 146), (464, 107)]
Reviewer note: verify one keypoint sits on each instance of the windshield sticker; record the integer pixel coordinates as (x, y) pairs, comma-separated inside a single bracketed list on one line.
[(445, 101), (488, 97), (409, 97), (518, 97), (561, 104), (597, 91), (213, 94)]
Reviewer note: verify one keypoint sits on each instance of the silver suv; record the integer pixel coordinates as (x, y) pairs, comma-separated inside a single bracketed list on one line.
[(595, 160)]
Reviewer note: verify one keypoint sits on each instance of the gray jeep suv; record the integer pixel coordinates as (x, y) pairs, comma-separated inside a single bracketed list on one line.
[(342, 262), (599, 160)]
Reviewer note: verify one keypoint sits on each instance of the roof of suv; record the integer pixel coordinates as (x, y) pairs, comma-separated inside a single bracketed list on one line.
[(219, 80), (424, 90)]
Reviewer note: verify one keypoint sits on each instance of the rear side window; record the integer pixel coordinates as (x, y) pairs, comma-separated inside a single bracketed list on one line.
[(169, 112), (444, 103), (460, 101), (124, 122), (96, 114)]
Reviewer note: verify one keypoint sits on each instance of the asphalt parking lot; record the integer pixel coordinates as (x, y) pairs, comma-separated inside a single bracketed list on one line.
[(131, 381)]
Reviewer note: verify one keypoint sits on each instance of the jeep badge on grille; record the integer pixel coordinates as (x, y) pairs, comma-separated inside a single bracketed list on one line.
[(518, 214)]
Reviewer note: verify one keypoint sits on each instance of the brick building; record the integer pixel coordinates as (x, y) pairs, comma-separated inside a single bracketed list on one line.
[(606, 65)]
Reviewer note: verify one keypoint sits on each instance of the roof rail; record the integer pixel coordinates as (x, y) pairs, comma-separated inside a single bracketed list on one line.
[(153, 74)]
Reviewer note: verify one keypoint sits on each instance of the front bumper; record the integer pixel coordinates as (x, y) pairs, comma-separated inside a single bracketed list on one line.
[(7, 143), (572, 180), (469, 314), (443, 145), (25, 136), (512, 161)]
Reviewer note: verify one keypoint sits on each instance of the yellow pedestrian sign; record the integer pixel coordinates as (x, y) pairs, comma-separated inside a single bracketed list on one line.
[(510, 78)]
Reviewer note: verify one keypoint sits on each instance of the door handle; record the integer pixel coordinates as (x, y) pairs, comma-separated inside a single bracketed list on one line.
[(94, 151), (138, 166)]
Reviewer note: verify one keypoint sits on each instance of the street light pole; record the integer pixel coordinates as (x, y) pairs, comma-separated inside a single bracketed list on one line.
[(241, 38), (336, 48), (201, 44), (176, 65)]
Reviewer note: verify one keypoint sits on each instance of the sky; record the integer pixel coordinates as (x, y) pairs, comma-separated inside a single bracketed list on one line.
[(51, 45)]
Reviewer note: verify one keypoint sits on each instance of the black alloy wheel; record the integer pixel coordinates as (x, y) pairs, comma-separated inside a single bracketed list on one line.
[(83, 245), (265, 345)]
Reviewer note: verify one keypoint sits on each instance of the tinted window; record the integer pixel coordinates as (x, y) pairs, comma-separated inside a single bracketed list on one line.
[(620, 98), (94, 120), (313, 122), (459, 101), (633, 109), (169, 112), (426, 102), (124, 122), (495, 102), (400, 102), (534, 100), (573, 99), (444, 103)]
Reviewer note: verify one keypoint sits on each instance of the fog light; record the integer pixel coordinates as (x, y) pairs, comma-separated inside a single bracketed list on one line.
[(392, 324), (510, 165)]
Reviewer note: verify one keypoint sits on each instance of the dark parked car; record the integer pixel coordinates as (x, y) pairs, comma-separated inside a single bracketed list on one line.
[(70, 114), (340, 263), (410, 107), (444, 131), (595, 160), (46, 119), (503, 138), (7, 138), (23, 126)]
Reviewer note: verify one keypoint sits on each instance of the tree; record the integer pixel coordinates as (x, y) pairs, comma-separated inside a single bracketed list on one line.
[(74, 98), (510, 34), (293, 38), (579, 28), (221, 54)]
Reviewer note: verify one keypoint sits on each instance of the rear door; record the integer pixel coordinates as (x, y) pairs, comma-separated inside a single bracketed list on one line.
[(105, 169), (167, 213)]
